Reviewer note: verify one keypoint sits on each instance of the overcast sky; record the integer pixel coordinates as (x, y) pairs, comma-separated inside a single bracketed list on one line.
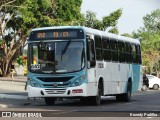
[(133, 11)]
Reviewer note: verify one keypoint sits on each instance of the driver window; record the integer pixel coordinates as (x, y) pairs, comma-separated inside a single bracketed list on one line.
[(35, 55)]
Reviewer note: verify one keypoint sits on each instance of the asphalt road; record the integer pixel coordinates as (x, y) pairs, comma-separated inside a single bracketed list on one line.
[(143, 104), (13, 98)]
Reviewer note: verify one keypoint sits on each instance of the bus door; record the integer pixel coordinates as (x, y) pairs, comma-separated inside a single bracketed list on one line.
[(91, 59)]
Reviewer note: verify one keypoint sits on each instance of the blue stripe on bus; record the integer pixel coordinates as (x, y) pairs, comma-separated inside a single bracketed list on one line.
[(136, 77)]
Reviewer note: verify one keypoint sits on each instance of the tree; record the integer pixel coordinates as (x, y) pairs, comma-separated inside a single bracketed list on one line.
[(114, 30), (127, 35), (10, 43), (90, 19), (68, 12), (152, 21), (112, 19), (106, 22), (149, 36), (18, 17)]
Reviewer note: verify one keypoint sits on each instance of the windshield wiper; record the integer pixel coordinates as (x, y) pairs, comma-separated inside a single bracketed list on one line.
[(66, 47)]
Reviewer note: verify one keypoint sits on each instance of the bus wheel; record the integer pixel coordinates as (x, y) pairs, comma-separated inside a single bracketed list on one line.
[(127, 96), (119, 97), (49, 100), (97, 99)]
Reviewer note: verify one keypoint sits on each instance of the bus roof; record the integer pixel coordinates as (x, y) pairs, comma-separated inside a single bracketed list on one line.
[(94, 32)]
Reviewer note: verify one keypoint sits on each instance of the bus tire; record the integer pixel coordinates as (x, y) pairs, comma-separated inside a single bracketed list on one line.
[(125, 97), (85, 100), (97, 99), (50, 100), (119, 97)]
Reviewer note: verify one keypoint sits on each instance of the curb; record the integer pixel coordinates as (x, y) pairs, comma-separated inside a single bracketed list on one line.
[(14, 80), (9, 96), (3, 106)]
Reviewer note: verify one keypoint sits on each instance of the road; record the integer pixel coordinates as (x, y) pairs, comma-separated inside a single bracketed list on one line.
[(143, 104)]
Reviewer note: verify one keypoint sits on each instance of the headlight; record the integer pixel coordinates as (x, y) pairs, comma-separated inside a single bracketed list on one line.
[(78, 81), (34, 83)]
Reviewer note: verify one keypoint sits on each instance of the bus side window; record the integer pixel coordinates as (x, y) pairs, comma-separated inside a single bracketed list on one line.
[(106, 49), (114, 50), (134, 53), (128, 52), (98, 48), (90, 53), (121, 51), (138, 54)]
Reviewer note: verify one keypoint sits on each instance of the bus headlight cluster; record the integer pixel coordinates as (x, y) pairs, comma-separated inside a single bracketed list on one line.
[(78, 81), (34, 83)]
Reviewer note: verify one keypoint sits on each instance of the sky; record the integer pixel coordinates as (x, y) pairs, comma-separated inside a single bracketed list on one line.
[(133, 11)]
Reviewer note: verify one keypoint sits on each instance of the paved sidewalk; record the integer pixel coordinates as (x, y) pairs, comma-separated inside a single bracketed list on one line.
[(12, 87), (12, 90), (15, 89)]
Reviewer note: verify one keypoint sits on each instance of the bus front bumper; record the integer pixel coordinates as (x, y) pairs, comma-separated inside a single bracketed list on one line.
[(79, 91)]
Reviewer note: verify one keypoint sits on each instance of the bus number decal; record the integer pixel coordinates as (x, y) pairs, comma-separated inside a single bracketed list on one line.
[(35, 66)]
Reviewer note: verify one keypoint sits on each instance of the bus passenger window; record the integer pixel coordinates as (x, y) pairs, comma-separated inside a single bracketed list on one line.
[(121, 51), (106, 49), (98, 46), (114, 50), (133, 52)]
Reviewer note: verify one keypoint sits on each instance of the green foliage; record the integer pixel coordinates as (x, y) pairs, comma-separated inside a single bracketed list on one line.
[(149, 36), (90, 19), (68, 10), (106, 22), (37, 13), (1, 42), (112, 19), (23, 15), (152, 21), (127, 35), (114, 30), (20, 61)]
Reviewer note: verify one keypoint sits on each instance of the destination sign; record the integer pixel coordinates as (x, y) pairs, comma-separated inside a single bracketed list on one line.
[(65, 34), (56, 34)]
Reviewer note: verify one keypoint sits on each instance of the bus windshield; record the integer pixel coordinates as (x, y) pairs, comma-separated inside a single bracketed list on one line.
[(56, 57)]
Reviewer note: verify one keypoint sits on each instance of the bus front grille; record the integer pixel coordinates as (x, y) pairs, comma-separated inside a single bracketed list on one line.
[(55, 79), (55, 91)]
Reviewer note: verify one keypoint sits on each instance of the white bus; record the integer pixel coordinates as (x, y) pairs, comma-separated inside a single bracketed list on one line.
[(80, 62)]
